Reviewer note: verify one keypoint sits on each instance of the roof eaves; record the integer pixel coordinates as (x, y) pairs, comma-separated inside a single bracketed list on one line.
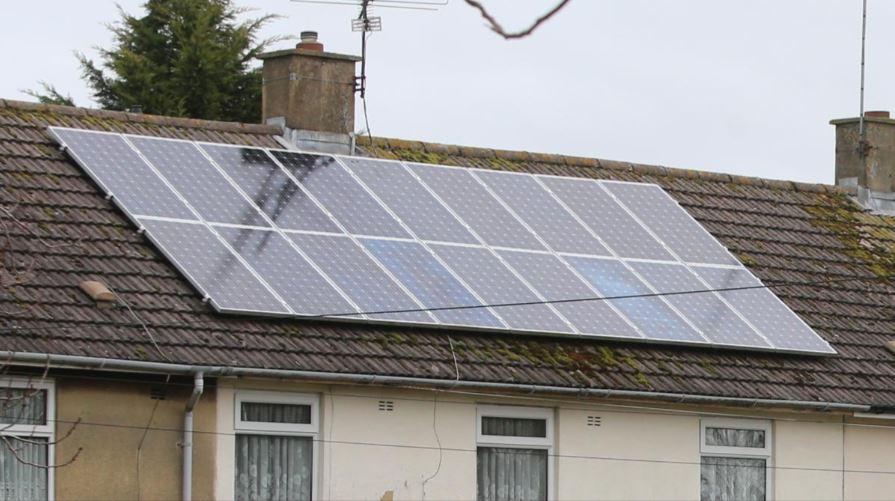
[(643, 169), (142, 118)]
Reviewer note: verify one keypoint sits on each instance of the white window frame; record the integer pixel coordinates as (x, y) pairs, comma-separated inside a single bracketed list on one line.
[(765, 452), (46, 430), (275, 397), (541, 443), (310, 430)]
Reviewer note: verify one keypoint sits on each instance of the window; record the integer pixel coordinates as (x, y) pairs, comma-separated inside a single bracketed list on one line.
[(26, 410), (736, 456), (514, 446), (275, 445)]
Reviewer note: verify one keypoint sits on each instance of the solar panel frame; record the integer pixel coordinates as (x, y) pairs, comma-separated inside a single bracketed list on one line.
[(820, 346)]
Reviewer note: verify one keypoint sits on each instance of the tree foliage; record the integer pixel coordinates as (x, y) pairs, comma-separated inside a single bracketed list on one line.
[(50, 95), (190, 58)]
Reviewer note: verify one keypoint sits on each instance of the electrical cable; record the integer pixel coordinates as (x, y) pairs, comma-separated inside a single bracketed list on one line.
[(777, 284), (595, 298), (467, 450)]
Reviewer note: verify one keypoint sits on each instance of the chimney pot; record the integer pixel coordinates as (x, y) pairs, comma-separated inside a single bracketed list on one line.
[(309, 42), (876, 114)]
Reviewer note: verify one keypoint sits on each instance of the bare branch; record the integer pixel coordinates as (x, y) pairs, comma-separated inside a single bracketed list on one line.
[(497, 28), (20, 398), (15, 453)]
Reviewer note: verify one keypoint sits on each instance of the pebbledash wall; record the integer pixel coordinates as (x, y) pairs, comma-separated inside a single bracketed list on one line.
[(639, 450)]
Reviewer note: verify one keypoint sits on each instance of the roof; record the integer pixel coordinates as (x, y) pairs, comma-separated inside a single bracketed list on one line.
[(57, 230)]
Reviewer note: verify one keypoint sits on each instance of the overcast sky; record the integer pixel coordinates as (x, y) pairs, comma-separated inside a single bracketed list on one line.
[(745, 87)]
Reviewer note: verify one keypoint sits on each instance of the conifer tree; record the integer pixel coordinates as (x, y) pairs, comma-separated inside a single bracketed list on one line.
[(187, 58)]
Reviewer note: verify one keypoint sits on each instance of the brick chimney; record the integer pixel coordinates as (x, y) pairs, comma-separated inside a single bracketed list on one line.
[(869, 167), (310, 93)]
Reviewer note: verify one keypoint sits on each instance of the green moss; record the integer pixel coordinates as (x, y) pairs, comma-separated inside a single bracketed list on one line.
[(630, 362), (853, 227), (506, 352), (394, 337), (140, 353), (424, 157), (662, 367), (50, 213), (642, 380), (607, 356), (291, 330), (746, 259), (708, 367)]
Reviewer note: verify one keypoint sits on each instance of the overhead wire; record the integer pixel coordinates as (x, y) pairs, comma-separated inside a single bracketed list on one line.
[(595, 298), (883, 279), (394, 445)]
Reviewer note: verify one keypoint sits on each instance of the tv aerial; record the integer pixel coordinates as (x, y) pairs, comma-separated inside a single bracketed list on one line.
[(365, 23)]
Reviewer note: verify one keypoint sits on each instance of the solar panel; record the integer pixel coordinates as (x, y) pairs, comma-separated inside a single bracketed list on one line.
[(118, 168), (270, 188), (557, 282), (598, 211), (410, 200), (206, 261), (662, 215), (707, 311), (360, 277), (432, 283), (276, 232), (469, 199), (281, 265), (496, 284), (543, 214), (650, 314), (763, 309), (340, 194), (202, 185)]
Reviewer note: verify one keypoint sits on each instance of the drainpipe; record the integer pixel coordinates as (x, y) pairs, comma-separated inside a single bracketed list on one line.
[(198, 386)]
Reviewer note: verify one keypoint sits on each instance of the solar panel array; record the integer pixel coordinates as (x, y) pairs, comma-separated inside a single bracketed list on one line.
[(277, 232)]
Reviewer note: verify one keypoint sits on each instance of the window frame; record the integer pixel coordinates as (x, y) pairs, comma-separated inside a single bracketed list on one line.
[(310, 430), (46, 430), (275, 397), (502, 441), (765, 452)]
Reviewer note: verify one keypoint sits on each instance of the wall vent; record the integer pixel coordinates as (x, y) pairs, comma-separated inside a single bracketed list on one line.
[(594, 421), (158, 393), (386, 405)]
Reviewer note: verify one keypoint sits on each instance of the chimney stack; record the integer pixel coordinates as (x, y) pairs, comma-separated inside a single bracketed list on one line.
[(869, 167), (310, 93)]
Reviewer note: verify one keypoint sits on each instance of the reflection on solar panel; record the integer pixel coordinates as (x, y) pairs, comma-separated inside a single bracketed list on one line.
[(276, 232)]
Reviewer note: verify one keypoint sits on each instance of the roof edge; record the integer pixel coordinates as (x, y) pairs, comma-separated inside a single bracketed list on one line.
[(96, 363), (191, 123), (575, 161)]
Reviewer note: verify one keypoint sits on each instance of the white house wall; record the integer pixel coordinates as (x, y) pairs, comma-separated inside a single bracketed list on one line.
[(635, 453)]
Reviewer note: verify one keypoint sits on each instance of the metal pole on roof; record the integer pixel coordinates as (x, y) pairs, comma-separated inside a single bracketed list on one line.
[(861, 129)]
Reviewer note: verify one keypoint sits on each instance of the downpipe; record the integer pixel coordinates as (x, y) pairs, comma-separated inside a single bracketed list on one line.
[(198, 388)]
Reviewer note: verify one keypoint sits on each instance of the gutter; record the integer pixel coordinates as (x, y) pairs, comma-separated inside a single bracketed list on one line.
[(95, 363), (198, 387)]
